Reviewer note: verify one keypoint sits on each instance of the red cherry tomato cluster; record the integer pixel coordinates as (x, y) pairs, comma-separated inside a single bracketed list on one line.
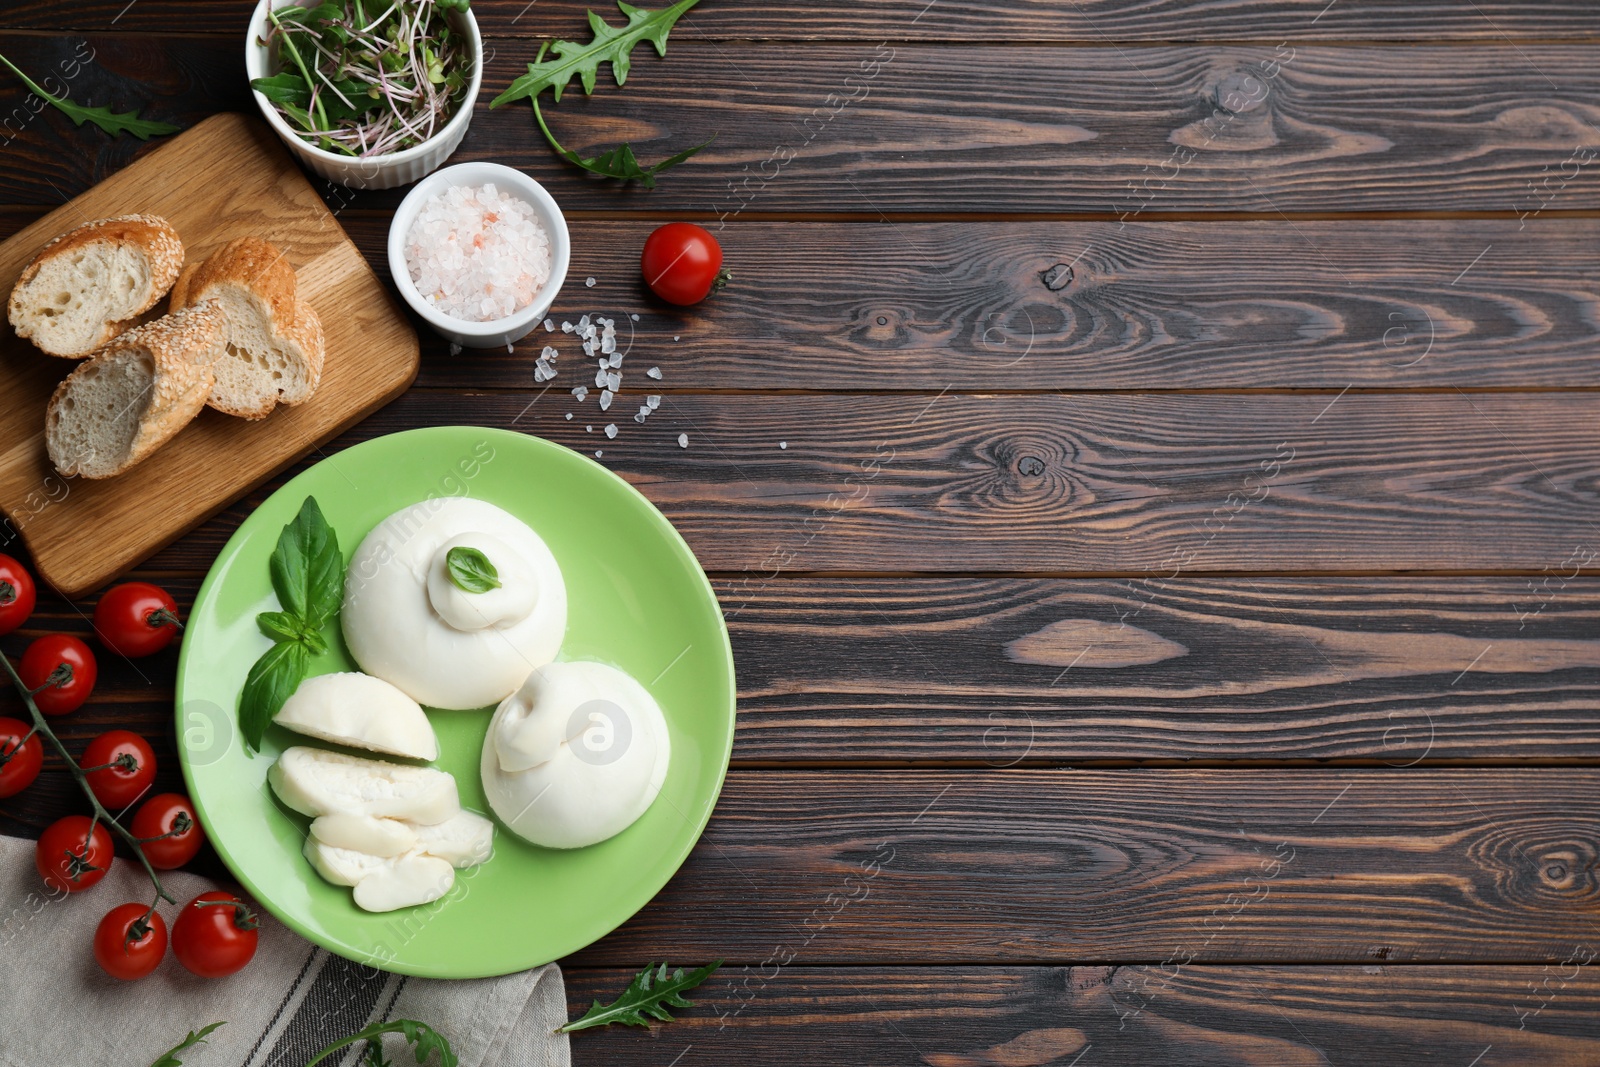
[(215, 934)]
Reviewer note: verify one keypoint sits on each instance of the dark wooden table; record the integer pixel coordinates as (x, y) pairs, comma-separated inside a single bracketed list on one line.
[(1169, 634)]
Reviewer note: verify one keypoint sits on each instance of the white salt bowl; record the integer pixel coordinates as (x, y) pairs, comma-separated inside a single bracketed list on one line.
[(378, 172), (499, 332)]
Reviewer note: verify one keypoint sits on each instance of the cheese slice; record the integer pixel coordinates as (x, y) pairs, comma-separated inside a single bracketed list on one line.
[(317, 782), (355, 709)]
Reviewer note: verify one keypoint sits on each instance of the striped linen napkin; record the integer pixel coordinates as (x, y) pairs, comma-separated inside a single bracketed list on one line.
[(293, 999)]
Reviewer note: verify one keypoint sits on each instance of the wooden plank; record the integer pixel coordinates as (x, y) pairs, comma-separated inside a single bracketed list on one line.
[(1116, 1016), (866, 129), (1423, 866), (988, 20), (975, 305), (1002, 672), (1151, 487)]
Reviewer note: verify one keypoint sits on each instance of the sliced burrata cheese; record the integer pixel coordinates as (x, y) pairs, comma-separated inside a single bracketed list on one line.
[(407, 881), (364, 833), (576, 755), (317, 782), (406, 621), (351, 708), (464, 840), (382, 883)]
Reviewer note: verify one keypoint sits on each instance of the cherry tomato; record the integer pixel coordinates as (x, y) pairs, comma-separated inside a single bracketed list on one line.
[(21, 759), (682, 263), (136, 619), (130, 941), (72, 658), (214, 935), (120, 766), (69, 857), (169, 818), (16, 594)]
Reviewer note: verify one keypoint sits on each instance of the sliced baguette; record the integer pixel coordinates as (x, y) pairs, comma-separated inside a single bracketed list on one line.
[(136, 392), (275, 347), (92, 283)]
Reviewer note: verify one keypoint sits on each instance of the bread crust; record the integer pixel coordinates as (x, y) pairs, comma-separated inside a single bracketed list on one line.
[(183, 346), (154, 235), (257, 266)]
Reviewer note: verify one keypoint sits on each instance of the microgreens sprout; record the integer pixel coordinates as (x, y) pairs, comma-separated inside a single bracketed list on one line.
[(362, 83)]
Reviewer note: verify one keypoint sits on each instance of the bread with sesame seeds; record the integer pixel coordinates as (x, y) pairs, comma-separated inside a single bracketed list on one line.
[(91, 284), (132, 395), (274, 348)]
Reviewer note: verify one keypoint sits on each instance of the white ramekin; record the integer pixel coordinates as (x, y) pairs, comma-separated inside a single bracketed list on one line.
[(380, 172), (500, 331)]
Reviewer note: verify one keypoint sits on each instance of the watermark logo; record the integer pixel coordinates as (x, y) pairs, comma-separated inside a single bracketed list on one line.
[(206, 731), (601, 732)]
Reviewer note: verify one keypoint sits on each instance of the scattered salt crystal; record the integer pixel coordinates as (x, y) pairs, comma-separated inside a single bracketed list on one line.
[(600, 378), (598, 453), (683, 440), (477, 254), (611, 429), (510, 347), (569, 416), (615, 360), (605, 399), (583, 324), (549, 327), (674, 337), (543, 372), (653, 401), (566, 327), (588, 429), (549, 353), (589, 282), (455, 349), (783, 444), (654, 372), (634, 317), (639, 418), (580, 391), (608, 343), (613, 381), (644, 409)]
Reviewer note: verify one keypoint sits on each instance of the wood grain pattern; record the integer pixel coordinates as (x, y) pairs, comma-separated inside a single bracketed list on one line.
[(1247, 305), (227, 178), (1140, 866), (1150, 487), (1117, 1016), (1091, 21), (867, 129)]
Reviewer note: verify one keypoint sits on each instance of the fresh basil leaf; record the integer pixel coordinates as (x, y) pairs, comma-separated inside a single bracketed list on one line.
[(279, 625), (271, 681), (424, 1039), (285, 88), (307, 569), (650, 993), (471, 570), (169, 1058)]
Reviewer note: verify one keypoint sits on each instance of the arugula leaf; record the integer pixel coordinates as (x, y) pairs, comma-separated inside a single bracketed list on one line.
[(650, 993), (610, 45), (125, 122), (169, 1058), (271, 681), (618, 162), (307, 569), (471, 570), (424, 1037)]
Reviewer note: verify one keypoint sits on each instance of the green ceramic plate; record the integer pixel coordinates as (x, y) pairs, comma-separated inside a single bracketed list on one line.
[(637, 599)]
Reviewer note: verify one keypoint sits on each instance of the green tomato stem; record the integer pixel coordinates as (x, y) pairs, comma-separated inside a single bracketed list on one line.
[(100, 813)]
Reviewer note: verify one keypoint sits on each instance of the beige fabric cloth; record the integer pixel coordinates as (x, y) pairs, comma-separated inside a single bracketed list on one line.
[(61, 1010)]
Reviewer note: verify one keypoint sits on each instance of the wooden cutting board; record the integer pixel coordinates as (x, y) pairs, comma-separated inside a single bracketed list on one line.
[(227, 177)]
